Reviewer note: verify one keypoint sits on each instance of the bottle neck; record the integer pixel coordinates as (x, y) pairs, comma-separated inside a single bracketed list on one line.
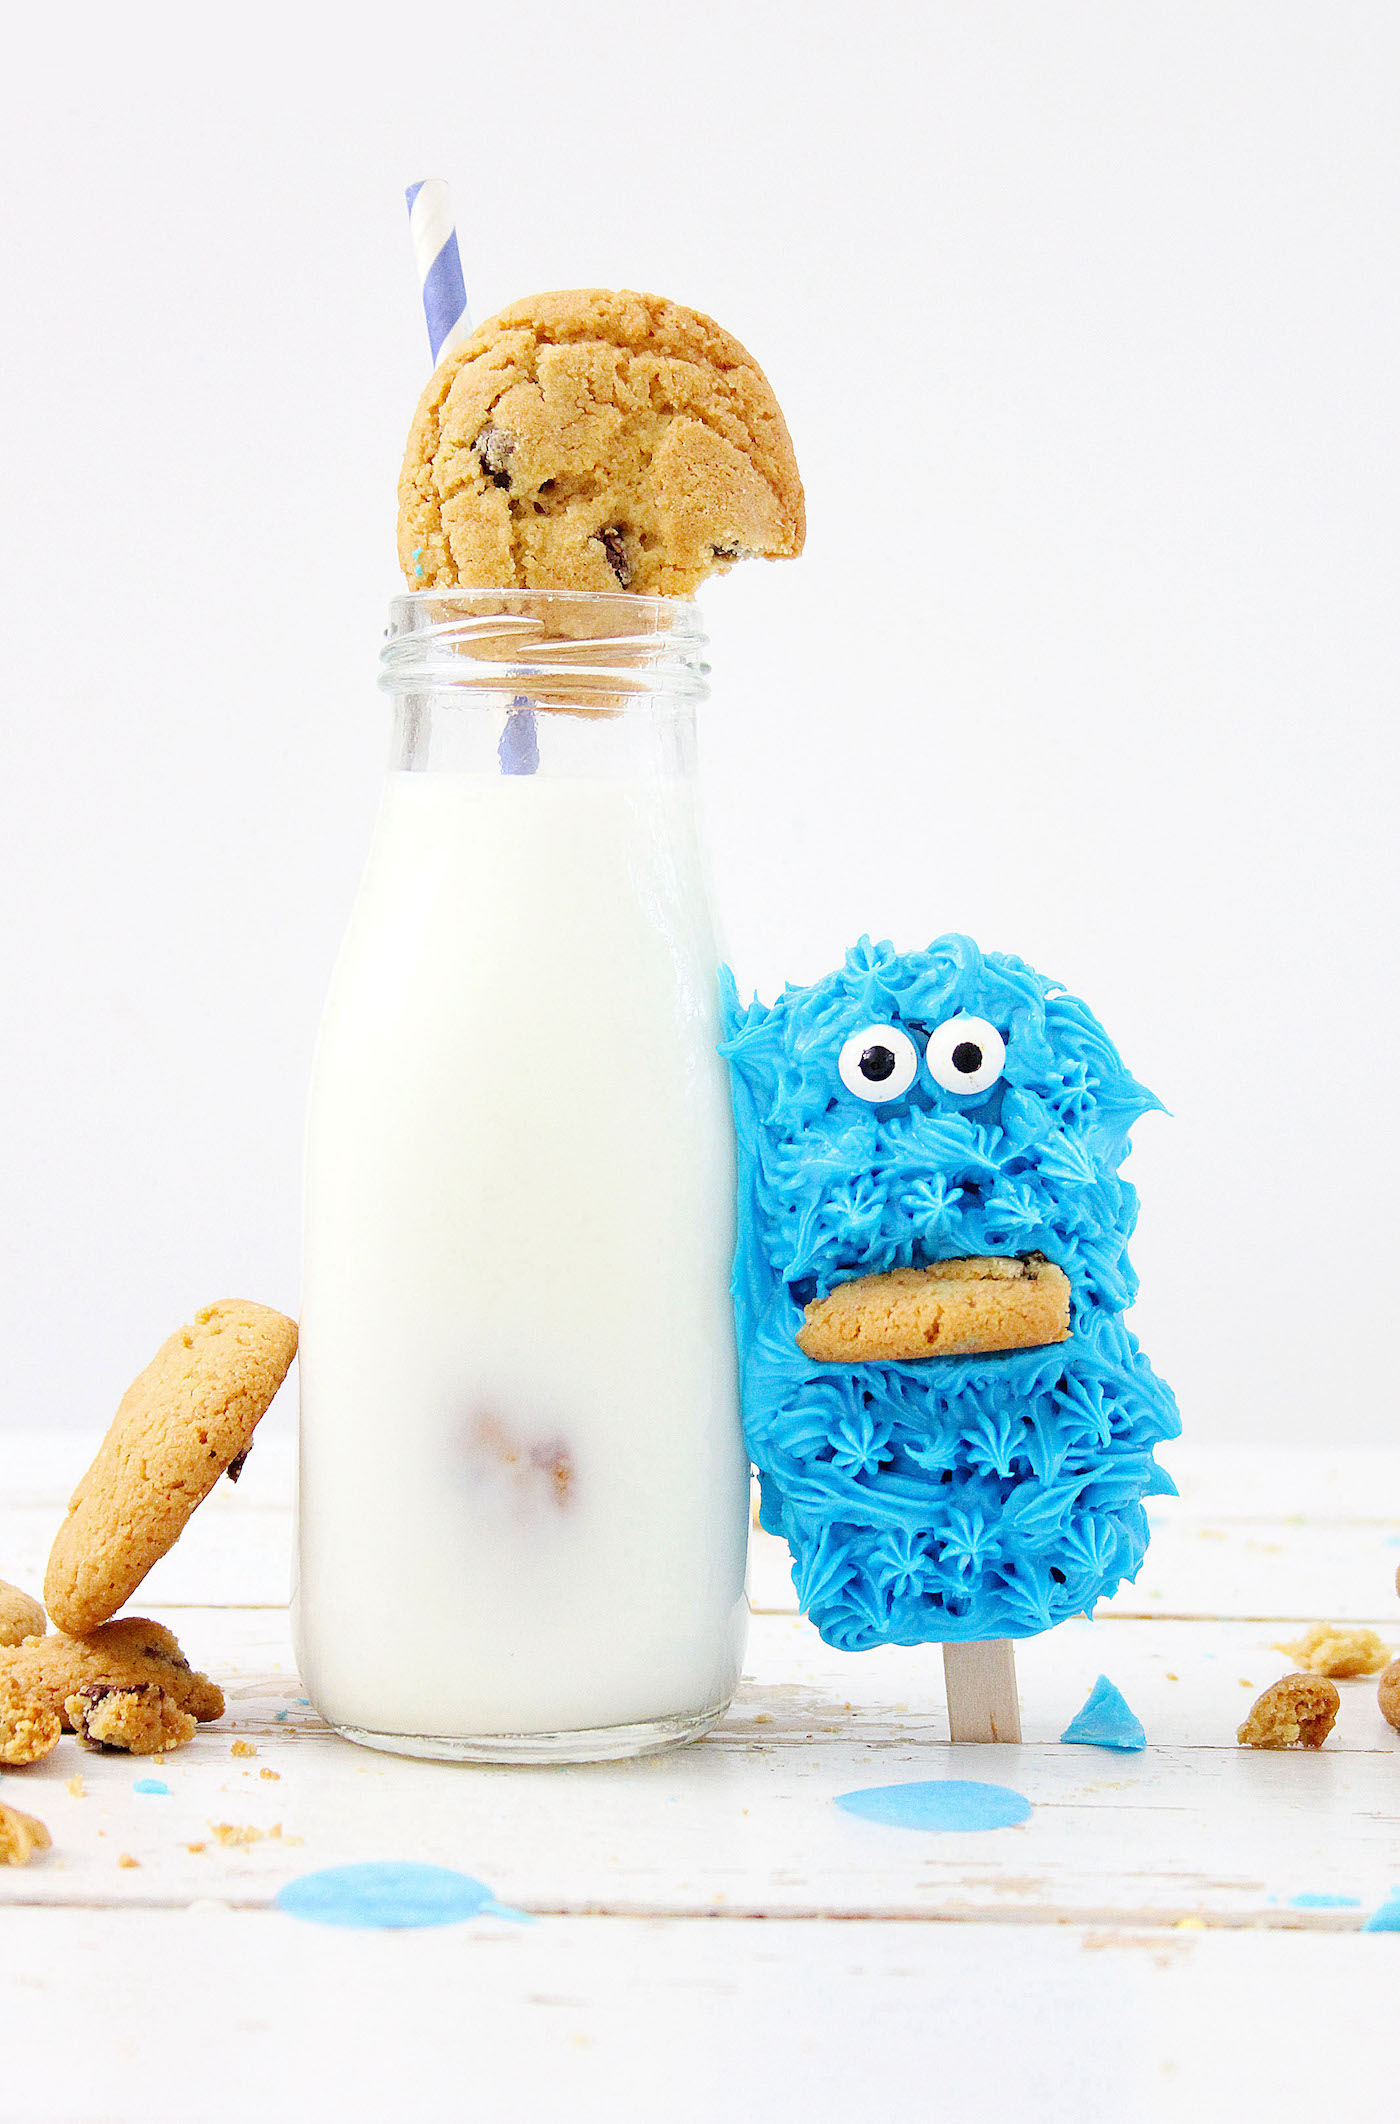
[(544, 682)]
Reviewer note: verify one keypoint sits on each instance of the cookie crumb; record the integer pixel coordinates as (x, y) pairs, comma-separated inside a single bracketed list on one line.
[(196, 1847), (21, 1835), (1341, 1650), (273, 1776), (242, 1748), (76, 1786), (127, 1860), (229, 1834), (1298, 1711)]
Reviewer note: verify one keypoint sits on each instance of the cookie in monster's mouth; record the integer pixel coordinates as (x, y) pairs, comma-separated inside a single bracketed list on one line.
[(960, 1308)]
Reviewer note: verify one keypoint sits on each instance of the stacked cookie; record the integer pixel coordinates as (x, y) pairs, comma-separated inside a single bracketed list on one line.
[(126, 1684)]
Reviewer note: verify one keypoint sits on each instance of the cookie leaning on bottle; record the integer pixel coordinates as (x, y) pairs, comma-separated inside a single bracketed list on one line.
[(186, 1421)]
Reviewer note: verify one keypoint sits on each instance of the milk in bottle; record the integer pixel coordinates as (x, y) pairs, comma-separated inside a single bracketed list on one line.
[(523, 1490)]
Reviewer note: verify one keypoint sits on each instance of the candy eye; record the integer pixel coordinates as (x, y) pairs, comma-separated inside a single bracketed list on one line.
[(878, 1062), (965, 1055)]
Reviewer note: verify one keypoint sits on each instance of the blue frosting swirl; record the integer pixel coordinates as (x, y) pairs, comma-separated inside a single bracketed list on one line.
[(955, 1497)]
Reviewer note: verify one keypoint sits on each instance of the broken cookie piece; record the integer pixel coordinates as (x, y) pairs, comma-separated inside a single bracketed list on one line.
[(142, 1719), (1342, 1650), (28, 1728), (20, 1837), (1297, 1712)]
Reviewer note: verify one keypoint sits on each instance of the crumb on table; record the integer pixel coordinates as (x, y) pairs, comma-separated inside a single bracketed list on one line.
[(1298, 1711), (21, 1835), (1342, 1650)]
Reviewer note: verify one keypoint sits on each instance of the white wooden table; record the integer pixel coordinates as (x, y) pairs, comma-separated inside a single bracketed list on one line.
[(1134, 1950)]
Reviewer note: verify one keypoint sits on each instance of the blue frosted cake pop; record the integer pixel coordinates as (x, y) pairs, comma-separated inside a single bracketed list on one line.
[(911, 1109)]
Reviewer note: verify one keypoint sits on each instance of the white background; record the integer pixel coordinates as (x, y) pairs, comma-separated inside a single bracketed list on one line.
[(1085, 320)]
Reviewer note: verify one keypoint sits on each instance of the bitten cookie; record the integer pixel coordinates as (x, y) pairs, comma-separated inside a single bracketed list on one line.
[(949, 1310), (28, 1728), (187, 1420), (596, 440), (20, 1617), (1300, 1710), (143, 1720), (124, 1656)]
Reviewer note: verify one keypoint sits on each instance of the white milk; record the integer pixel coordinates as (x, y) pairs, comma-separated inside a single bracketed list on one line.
[(523, 1485)]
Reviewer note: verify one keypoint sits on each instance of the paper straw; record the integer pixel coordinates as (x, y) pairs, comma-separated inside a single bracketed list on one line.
[(439, 265), (449, 320)]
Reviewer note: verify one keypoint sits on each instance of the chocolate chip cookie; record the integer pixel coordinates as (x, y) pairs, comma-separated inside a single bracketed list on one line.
[(186, 1421), (952, 1309), (596, 440), (122, 1657), (20, 1617)]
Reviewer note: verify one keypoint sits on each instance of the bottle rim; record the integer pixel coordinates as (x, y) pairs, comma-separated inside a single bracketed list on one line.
[(552, 648)]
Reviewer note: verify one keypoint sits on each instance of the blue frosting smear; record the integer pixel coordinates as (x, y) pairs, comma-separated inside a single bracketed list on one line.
[(1309, 1901), (945, 1803), (390, 1894), (1105, 1721), (1386, 1919), (953, 1497), (151, 1784)]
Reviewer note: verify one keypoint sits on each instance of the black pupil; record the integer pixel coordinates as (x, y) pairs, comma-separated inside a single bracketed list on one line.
[(877, 1063), (967, 1057)]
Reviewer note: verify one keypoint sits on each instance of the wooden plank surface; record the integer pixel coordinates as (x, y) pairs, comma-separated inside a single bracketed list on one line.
[(613, 2021), (745, 1821), (1079, 1930)]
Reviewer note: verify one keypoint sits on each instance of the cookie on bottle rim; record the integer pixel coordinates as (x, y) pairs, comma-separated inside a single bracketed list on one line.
[(596, 439), (188, 1419)]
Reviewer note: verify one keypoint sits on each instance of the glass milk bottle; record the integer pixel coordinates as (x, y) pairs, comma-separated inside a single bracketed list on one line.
[(523, 1504)]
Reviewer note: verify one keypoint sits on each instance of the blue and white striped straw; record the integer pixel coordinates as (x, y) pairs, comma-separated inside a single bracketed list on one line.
[(439, 265)]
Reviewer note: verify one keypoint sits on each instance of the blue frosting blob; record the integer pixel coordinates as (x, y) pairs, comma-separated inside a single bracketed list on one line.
[(944, 1803), (388, 1894), (1386, 1919), (151, 1784), (954, 1497), (1105, 1721)]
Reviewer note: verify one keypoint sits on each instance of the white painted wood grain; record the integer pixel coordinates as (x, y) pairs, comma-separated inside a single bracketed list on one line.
[(613, 2021), (745, 1821)]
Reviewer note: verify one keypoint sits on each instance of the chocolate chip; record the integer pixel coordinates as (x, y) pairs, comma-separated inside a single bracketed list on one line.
[(728, 549), (235, 1466), (613, 544), (494, 447)]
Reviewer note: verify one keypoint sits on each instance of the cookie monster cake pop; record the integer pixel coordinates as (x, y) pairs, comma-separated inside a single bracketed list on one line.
[(953, 1428)]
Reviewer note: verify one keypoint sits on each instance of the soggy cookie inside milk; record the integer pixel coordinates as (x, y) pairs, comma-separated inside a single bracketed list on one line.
[(596, 440)]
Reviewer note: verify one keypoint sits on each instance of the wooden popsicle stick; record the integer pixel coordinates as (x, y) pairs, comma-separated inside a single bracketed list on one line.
[(981, 1682)]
